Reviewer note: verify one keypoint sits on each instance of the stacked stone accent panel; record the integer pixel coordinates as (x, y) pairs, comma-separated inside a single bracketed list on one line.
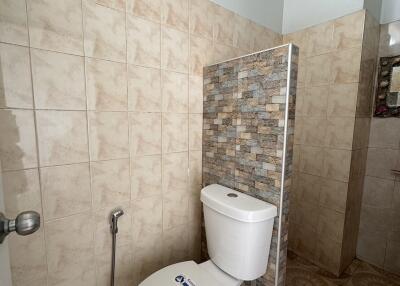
[(247, 109)]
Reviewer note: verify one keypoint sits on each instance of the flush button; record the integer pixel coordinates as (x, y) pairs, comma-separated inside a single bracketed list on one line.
[(232, 195)]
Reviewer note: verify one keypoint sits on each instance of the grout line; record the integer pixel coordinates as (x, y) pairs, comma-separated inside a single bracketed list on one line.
[(91, 210), (37, 143), (162, 131)]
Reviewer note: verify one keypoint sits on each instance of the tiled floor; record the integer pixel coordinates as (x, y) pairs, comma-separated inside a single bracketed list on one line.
[(302, 273)]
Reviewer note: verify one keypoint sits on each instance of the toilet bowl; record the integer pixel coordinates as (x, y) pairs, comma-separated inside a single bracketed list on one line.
[(238, 230)]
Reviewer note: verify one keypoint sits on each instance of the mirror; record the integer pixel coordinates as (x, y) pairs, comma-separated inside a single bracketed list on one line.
[(387, 102), (395, 80)]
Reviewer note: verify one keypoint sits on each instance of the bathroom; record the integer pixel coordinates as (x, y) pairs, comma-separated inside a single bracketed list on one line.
[(110, 104)]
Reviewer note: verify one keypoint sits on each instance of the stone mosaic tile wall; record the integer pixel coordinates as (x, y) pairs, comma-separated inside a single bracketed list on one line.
[(243, 134)]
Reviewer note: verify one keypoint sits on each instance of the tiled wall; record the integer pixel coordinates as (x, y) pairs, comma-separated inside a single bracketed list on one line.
[(244, 135), (101, 107), (378, 239), (331, 127)]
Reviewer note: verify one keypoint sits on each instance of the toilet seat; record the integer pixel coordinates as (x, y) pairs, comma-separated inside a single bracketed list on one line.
[(190, 273)]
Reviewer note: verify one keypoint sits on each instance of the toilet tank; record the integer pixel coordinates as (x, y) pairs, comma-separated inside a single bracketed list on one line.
[(238, 230)]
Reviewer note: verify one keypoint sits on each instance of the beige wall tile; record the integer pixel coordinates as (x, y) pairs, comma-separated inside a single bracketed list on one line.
[(16, 85), (62, 137), (17, 143), (58, 80), (313, 131), (302, 72), (69, 250), (361, 133), (392, 257), (300, 39), (105, 36), (298, 133), (21, 191), (308, 188), (174, 50), (337, 164), (330, 224), (303, 241), (333, 195), (195, 131), (13, 22), (195, 241), (384, 133), (328, 253), (375, 220), (223, 52), (195, 171), (318, 70), (149, 9), (175, 90), (358, 161), (342, 99), (201, 18), (123, 267), (145, 133), (175, 209), (143, 42), (147, 260), (320, 39), (114, 4), (242, 37), (175, 245), (346, 66), (296, 157), (175, 13), (56, 25), (147, 220), (108, 135), (378, 192), (110, 182), (380, 162), (348, 32), (371, 247), (175, 132), (316, 100), (223, 26), (307, 214), (265, 38), (65, 190), (300, 101), (144, 89), (195, 94), (175, 172), (106, 85), (200, 54), (28, 259), (145, 176), (339, 132), (311, 160)]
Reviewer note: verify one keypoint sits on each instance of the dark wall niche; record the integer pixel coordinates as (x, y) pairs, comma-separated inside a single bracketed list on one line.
[(387, 101)]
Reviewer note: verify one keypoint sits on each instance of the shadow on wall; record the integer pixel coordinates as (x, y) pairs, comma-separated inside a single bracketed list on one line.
[(20, 192), (11, 155)]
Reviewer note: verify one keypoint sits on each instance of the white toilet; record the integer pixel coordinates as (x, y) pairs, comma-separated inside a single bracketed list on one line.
[(239, 232)]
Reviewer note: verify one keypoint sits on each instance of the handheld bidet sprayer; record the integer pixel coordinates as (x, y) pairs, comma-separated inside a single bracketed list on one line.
[(114, 216)]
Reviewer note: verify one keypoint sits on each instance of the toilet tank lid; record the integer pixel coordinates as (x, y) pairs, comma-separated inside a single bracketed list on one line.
[(237, 205)]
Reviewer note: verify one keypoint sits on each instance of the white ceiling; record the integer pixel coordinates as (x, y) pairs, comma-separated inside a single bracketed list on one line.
[(286, 16)]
